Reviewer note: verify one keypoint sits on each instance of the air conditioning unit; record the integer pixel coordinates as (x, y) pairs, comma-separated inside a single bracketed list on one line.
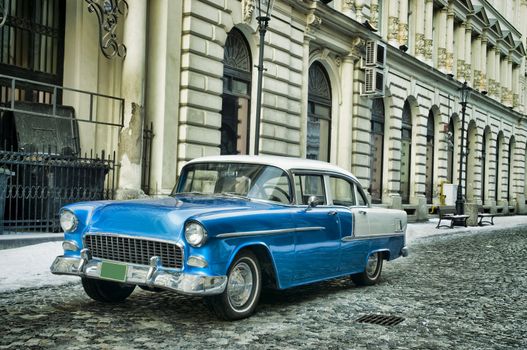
[(375, 54), (373, 81)]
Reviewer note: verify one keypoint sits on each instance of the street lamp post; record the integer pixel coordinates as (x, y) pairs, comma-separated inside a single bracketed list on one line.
[(464, 94), (264, 8)]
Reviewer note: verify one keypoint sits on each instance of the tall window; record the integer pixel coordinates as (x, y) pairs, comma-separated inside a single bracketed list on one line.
[(377, 147), (450, 151), (319, 114), (510, 189), (406, 152), (497, 183), (236, 95), (429, 186), (32, 47), (484, 164)]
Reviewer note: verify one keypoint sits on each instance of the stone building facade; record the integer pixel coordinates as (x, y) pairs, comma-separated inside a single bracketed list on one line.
[(189, 71)]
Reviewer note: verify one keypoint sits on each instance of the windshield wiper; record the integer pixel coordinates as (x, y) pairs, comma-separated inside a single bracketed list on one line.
[(233, 195)]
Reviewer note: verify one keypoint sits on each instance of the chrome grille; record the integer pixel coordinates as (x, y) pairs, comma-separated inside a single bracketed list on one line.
[(133, 250)]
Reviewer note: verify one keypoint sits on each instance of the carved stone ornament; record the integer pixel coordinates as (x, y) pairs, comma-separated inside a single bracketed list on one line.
[(449, 61), (515, 100), (314, 21), (247, 10), (477, 78), (338, 61), (428, 48), (108, 13), (483, 82), (420, 44), (460, 68), (374, 16), (348, 5), (441, 58), (468, 71), (403, 33), (393, 28), (491, 87)]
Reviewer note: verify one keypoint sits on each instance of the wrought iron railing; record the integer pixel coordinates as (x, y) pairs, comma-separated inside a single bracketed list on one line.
[(44, 181)]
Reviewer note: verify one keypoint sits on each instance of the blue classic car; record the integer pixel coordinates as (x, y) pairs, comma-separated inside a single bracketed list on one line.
[(232, 225)]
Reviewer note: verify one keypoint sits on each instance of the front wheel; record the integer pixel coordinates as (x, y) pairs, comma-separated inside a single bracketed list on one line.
[(372, 272), (242, 292), (107, 291)]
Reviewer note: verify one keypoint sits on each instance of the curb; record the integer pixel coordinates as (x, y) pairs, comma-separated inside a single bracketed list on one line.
[(24, 239)]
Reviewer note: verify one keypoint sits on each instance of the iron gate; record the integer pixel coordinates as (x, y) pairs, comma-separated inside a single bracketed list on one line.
[(46, 181)]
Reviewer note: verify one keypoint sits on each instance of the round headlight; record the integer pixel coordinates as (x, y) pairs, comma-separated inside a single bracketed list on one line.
[(68, 221), (195, 234)]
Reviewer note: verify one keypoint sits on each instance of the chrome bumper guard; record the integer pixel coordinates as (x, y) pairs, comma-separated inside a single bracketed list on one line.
[(151, 276)]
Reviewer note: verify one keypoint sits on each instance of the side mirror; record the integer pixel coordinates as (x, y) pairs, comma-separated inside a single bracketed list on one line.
[(312, 202)]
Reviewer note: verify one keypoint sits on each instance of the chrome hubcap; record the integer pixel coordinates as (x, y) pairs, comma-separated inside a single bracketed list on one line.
[(371, 267), (240, 285)]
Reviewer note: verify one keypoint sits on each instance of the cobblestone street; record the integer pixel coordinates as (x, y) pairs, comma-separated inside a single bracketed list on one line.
[(457, 291)]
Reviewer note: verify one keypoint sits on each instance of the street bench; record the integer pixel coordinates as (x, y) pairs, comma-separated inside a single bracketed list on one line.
[(485, 218), (449, 213)]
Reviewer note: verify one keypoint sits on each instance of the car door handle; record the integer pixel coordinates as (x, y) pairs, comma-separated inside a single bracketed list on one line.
[(363, 212), (333, 212)]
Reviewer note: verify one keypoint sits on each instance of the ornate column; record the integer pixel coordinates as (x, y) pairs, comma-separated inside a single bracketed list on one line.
[(491, 73), (516, 86), (403, 22), (508, 87), (393, 23), (345, 127), (483, 62), (429, 26), (468, 52), (450, 41), (460, 48), (419, 46), (441, 45), (476, 63), (498, 73), (133, 84)]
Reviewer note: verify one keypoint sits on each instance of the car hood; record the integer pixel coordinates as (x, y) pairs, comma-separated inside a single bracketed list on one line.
[(159, 218)]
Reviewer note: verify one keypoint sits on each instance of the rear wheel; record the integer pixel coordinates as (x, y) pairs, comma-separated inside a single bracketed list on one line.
[(241, 295), (107, 291), (372, 272)]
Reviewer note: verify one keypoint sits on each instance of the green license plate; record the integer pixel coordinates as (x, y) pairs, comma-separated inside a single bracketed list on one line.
[(113, 271)]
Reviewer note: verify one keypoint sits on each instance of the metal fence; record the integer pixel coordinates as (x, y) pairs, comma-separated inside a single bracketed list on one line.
[(44, 181)]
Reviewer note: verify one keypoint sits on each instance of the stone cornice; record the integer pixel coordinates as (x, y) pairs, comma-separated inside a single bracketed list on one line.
[(413, 67)]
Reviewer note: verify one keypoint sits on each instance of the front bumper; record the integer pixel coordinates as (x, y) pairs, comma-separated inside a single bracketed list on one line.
[(151, 276)]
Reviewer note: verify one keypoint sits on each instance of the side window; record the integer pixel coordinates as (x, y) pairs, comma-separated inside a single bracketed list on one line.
[(363, 202), (342, 191), (310, 185)]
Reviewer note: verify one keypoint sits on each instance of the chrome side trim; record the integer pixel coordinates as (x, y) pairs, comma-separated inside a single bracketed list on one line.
[(353, 238), (171, 279), (270, 232)]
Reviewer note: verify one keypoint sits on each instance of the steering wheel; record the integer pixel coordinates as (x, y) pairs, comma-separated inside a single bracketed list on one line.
[(276, 194)]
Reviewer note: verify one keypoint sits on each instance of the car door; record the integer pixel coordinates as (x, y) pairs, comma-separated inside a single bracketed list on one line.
[(317, 240), (353, 218)]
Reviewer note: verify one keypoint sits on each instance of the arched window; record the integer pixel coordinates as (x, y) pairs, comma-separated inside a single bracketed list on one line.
[(406, 152), (236, 95), (429, 183), (319, 114), (377, 147), (450, 151)]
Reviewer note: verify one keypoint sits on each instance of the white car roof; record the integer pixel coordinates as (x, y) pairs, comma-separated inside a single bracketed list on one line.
[(285, 163)]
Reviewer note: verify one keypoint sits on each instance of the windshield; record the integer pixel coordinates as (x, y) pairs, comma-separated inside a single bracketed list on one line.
[(253, 181)]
